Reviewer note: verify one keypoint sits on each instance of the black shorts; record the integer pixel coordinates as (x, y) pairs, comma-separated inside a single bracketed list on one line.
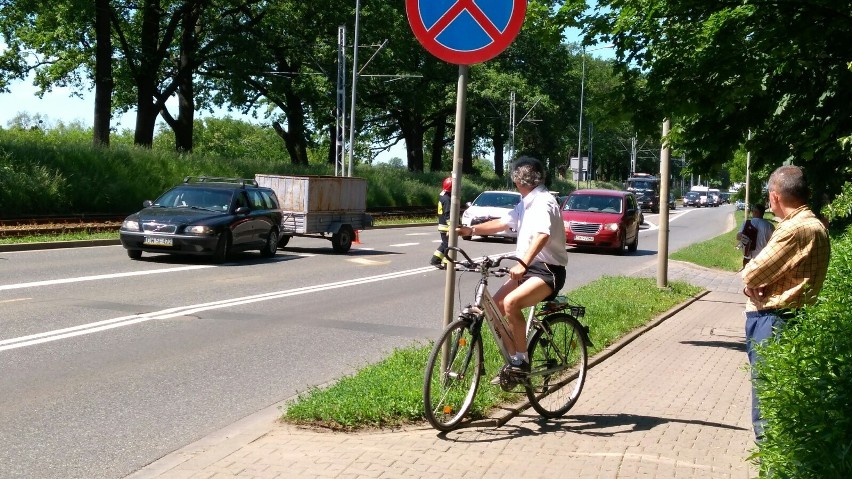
[(552, 274)]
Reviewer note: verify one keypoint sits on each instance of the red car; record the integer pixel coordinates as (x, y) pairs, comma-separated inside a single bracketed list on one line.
[(606, 219)]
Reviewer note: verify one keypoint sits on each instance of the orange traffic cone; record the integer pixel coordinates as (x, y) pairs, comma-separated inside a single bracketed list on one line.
[(356, 241)]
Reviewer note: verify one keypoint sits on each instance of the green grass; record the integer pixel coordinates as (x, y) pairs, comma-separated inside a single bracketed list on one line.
[(60, 237), (389, 393), (719, 252)]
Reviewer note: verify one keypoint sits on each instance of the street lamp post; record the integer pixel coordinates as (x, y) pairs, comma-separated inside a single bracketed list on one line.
[(580, 127)]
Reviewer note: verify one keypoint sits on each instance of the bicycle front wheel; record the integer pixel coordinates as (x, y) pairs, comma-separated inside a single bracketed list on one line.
[(452, 375), (558, 361)]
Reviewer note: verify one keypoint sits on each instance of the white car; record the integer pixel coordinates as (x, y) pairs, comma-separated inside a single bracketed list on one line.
[(489, 205)]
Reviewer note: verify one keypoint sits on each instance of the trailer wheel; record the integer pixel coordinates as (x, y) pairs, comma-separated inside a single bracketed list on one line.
[(283, 240), (342, 240)]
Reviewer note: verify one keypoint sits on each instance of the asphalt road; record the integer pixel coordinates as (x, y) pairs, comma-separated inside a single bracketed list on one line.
[(109, 364)]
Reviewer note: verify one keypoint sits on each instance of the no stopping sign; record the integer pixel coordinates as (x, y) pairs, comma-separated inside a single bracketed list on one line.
[(465, 32)]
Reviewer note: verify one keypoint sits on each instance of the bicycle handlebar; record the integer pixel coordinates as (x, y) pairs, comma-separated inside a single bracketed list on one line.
[(486, 264)]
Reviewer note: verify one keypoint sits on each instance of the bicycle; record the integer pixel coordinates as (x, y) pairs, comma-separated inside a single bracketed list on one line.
[(557, 345)]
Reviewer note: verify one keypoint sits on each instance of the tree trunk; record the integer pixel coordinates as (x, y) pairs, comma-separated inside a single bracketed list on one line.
[(499, 144), (438, 142), (412, 133), (296, 128), (103, 73), (146, 109), (186, 102)]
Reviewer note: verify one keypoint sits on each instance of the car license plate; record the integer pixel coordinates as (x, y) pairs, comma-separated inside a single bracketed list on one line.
[(158, 241), (584, 238)]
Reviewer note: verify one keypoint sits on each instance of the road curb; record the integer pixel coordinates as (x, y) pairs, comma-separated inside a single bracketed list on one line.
[(57, 245)]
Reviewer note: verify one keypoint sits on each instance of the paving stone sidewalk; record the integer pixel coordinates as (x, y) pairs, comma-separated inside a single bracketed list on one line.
[(674, 402)]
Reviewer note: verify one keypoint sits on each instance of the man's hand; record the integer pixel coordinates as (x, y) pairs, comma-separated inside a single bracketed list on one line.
[(517, 271), (754, 292)]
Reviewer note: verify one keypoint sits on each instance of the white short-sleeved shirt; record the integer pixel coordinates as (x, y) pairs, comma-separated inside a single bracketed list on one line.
[(538, 212)]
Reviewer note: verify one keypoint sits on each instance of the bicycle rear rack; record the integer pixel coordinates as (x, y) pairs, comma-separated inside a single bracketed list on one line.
[(562, 304)]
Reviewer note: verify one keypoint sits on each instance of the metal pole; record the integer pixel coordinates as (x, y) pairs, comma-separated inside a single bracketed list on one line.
[(354, 84), (512, 151), (589, 168), (663, 235), (458, 151), (580, 128), (748, 179), (340, 122)]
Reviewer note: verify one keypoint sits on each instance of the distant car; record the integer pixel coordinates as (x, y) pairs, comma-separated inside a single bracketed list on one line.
[(606, 219), (489, 205), (715, 199), (692, 198), (740, 204), (647, 201), (206, 216), (672, 202)]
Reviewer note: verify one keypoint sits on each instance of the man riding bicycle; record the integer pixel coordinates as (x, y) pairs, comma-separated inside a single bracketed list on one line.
[(541, 246)]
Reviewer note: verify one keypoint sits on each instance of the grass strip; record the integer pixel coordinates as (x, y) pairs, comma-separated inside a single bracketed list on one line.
[(718, 253), (84, 235), (389, 393)]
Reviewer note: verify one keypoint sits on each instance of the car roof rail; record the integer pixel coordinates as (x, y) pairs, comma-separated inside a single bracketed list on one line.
[(220, 179)]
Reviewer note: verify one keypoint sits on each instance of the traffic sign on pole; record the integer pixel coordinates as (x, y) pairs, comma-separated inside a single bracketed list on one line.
[(465, 32)]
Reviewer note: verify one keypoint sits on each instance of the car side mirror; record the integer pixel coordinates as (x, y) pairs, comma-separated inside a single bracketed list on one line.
[(242, 210), (147, 203), (468, 204)]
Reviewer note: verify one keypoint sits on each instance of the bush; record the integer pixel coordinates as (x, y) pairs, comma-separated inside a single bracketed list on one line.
[(806, 383)]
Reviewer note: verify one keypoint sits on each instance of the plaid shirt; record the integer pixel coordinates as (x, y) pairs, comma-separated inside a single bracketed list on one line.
[(792, 266)]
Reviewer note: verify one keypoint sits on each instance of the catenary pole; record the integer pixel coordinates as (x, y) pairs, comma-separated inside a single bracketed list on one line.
[(354, 84)]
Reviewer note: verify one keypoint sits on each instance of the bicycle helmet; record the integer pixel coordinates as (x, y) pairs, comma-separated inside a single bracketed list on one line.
[(448, 184)]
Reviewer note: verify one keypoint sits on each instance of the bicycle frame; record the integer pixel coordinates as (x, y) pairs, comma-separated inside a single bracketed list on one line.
[(485, 305)]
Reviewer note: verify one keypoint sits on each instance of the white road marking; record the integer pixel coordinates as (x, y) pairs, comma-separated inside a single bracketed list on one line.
[(400, 245), (107, 324), (13, 300), (368, 262), (99, 276)]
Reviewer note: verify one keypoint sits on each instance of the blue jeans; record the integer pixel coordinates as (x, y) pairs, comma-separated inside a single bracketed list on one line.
[(760, 326)]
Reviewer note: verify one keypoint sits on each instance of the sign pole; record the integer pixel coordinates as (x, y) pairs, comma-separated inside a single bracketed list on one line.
[(458, 151), (663, 236)]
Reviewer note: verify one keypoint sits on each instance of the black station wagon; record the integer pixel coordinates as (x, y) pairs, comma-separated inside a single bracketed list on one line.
[(206, 216)]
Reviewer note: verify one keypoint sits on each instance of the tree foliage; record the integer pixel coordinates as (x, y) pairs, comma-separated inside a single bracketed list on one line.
[(720, 69)]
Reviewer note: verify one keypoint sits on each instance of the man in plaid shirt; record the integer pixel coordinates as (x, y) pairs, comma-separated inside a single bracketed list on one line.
[(789, 271)]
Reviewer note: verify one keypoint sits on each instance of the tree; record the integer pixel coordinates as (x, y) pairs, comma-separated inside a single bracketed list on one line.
[(777, 68), (64, 43)]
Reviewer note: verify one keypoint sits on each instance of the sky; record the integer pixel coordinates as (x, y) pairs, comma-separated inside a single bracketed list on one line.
[(61, 105)]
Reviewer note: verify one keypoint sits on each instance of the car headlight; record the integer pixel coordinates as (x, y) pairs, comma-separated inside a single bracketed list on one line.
[(199, 230), (611, 226), (130, 225)]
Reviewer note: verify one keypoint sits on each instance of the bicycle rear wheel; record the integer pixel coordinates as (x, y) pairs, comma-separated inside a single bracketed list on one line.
[(448, 390), (558, 361)]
